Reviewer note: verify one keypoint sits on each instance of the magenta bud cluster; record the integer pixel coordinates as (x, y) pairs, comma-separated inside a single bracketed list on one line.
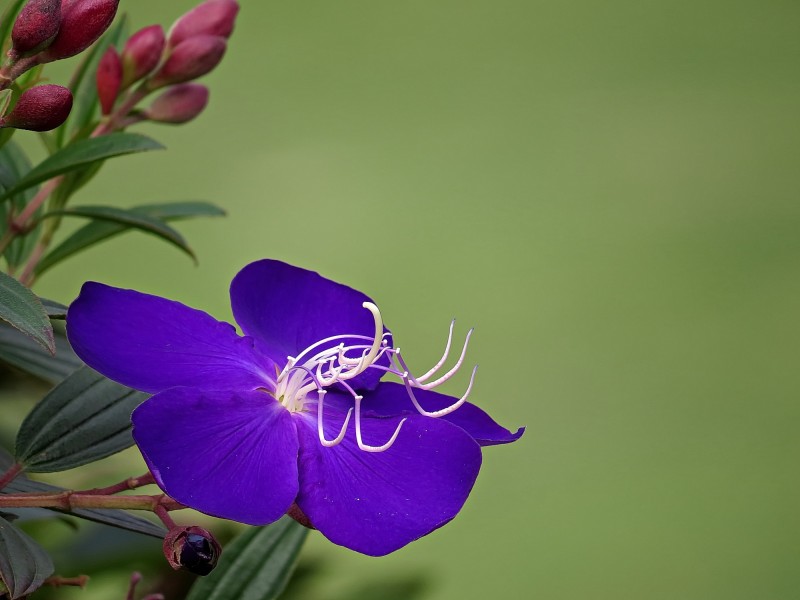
[(194, 46), (40, 108)]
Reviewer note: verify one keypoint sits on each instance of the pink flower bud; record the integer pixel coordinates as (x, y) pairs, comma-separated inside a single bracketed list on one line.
[(82, 23), (109, 79), (189, 60), (142, 53), (40, 108), (35, 27), (179, 104), (213, 17)]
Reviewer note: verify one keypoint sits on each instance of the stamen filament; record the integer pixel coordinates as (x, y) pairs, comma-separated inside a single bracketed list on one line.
[(367, 447)]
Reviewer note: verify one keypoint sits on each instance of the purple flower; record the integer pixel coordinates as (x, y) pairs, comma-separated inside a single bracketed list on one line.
[(292, 416)]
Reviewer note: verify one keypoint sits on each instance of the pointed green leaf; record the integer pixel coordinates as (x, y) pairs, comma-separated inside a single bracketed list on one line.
[(23, 353), (128, 218), (98, 231), (24, 565), (14, 164), (113, 517), (256, 566), (81, 154), (23, 310), (83, 419)]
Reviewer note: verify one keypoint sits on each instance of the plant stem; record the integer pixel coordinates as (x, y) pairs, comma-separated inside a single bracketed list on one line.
[(74, 500), (56, 581), (129, 484), (10, 475), (116, 119)]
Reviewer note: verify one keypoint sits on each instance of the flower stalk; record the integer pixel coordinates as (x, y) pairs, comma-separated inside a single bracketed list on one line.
[(70, 501)]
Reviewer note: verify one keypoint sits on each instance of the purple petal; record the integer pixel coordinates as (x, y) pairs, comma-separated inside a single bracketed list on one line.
[(391, 399), (377, 502), (151, 344), (228, 454), (288, 309)]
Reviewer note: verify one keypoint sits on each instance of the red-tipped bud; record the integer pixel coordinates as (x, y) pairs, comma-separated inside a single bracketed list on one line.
[(179, 104), (213, 17), (189, 60), (109, 79), (82, 22), (40, 108), (142, 53), (192, 549), (35, 27)]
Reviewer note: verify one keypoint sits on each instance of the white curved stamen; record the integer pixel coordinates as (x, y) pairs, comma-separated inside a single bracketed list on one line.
[(321, 365), (360, 441), (320, 428), (442, 360)]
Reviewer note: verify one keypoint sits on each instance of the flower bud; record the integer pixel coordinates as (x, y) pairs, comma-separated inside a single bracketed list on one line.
[(109, 79), (213, 17), (192, 549), (40, 108), (82, 23), (142, 53), (36, 26), (189, 60), (179, 104)]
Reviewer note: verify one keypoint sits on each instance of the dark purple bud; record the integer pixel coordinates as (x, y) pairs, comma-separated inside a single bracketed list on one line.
[(40, 108), (189, 60), (179, 104), (35, 27), (142, 53), (109, 79), (192, 549), (213, 17), (82, 22)]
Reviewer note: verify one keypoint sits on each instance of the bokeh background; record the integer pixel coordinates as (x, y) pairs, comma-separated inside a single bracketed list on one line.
[(607, 190)]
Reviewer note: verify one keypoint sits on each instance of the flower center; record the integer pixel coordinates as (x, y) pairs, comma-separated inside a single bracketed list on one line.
[(341, 358)]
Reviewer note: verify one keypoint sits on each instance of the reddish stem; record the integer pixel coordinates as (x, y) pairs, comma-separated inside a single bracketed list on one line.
[(10, 475)]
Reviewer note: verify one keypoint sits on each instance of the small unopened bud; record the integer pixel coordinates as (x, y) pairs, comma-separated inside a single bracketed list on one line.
[(82, 23), (192, 549), (40, 108), (142, 53), (179, 104), (109, 79), (213, 17), (36, 26), (189, 60)]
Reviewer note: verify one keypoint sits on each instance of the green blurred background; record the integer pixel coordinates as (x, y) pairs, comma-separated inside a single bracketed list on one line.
[(608, 191)]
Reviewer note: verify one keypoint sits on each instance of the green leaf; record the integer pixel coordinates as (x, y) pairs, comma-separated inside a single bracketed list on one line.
[(83, 419), (129, 219), (256, 566), (81, 154), (14, 164), (113, 517), (23, 310), (24, 565), (98, 231), (23, 353), (83, 86)]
